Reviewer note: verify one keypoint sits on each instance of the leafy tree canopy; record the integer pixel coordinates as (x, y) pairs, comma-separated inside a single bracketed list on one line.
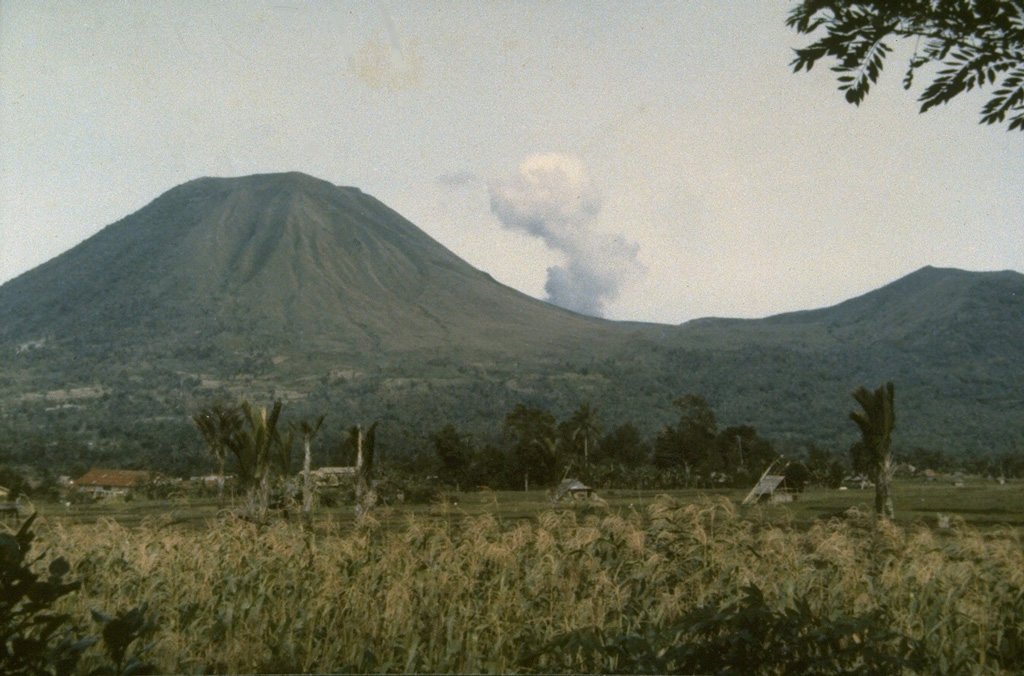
[(964, 43), (696, 415), (625, 445), (876, 421), (527, 424), (535, 446), (454, 453)]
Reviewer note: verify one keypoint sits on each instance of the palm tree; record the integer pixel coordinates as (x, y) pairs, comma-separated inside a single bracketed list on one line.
[(876, 422), (219, 425), (307, 431), (585, 425), (545, 461), (364, 445), (255, 453)]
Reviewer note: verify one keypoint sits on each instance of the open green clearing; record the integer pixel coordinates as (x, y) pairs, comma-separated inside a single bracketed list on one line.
[(980, 503)]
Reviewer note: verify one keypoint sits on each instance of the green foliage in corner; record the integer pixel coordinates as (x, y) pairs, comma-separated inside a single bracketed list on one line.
[(36, 639), (39, 640)]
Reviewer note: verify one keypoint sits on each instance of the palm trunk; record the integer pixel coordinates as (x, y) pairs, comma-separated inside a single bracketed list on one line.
[(362, 480), (220, 480), (307, 483), (262, 498), (883, 496)]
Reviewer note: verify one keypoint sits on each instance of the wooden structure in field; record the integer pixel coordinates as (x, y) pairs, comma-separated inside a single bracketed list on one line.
[(770, 488), (574, 489), (332, 477)]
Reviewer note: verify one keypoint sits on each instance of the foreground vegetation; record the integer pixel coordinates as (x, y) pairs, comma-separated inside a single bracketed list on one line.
[(597, 588)]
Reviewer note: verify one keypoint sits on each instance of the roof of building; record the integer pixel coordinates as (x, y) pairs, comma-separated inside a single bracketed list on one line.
[(115, 478), (766, 486), (570, 486), (335, 470)]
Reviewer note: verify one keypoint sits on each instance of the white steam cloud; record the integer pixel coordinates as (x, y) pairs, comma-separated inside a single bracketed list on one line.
[(552, 197)]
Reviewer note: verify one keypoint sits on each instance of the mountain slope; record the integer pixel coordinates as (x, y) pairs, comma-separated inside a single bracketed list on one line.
[(287, 287), (949, 339), (929, 308), (286, 258), (924, 302)]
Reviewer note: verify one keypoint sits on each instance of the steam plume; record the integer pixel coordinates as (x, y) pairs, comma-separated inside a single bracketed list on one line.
[(552, 197)]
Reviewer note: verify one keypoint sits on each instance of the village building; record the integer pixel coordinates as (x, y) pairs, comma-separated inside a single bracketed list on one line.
[(771, 488), (332, 477), (111, 482), (574, 489), (860, 481), (213, 481)]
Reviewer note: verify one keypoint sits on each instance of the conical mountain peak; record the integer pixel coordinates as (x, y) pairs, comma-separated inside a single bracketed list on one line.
[(285, 286), (275, 257)]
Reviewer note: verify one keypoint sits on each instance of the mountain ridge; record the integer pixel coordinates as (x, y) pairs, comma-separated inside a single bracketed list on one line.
[(286, 286)]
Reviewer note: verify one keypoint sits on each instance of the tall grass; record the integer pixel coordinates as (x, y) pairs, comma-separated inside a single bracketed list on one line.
[(474, 594)]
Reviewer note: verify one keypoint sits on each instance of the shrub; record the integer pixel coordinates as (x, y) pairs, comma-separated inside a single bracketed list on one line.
[(35, 638)]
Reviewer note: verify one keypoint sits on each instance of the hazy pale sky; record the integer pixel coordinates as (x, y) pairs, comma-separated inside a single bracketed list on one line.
[(648, 161)]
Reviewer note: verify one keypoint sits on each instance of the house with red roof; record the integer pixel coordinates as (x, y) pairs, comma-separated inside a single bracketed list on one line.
[(110, 482)]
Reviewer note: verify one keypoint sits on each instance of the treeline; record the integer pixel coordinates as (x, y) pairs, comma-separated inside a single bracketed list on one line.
[(528, 447), (534, 449)]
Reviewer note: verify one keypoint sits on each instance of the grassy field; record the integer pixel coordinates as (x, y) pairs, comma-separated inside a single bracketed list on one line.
[(497, 582), (980, 503)]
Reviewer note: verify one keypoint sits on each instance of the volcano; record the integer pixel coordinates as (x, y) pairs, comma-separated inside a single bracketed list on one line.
[(283, 259), (287, 287)]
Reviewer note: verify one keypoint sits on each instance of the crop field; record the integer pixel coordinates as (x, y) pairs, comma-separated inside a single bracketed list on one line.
[(507, 582)]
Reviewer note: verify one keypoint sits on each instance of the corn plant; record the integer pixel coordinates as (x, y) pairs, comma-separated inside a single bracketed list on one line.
[(449, 592)]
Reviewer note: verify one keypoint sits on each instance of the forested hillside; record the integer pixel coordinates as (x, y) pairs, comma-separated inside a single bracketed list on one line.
[(287, 287)]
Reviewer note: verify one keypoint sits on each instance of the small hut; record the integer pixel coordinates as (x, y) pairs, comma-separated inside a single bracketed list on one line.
[(332, 477), (771, 488), (573, 489)]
